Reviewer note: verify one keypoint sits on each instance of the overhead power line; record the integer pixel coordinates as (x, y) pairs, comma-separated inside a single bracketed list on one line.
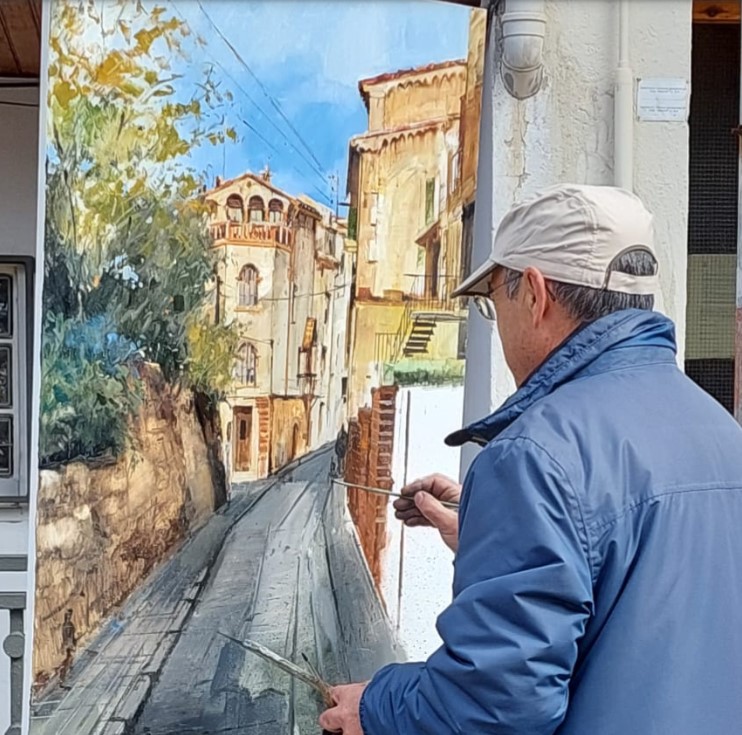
[(325, 196), (286, 141), (270, 97)]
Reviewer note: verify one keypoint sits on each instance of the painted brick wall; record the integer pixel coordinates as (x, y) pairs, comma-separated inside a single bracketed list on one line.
[(369, 462), (264, 435)]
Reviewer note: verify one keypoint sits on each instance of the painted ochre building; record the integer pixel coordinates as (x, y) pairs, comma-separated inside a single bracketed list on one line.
[(283, 277)]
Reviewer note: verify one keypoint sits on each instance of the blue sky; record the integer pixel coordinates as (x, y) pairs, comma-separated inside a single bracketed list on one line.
[(310, 55)]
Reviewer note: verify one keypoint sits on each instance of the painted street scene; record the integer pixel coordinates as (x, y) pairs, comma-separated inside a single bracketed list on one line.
[(254, 225), (370, 367)]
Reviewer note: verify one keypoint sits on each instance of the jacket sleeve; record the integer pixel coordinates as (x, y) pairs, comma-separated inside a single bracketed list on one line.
[(522, 597)]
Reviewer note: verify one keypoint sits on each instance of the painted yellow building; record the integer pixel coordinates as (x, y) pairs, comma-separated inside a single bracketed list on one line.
[(280, 260), (464, 166), (398, 181), (451, 235)]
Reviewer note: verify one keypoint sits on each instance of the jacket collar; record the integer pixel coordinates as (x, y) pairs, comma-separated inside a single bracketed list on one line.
[(589, 350)]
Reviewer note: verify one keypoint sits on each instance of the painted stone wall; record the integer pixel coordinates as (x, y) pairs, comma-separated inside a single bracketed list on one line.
[(101, 529)]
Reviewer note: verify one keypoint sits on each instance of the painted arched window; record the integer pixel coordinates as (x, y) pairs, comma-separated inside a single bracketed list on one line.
[(235, 208), (247, 286), (275, 210), (246, 371), (256, 209)]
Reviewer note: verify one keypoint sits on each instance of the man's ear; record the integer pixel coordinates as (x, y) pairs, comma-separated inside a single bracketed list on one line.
[(536, 294)]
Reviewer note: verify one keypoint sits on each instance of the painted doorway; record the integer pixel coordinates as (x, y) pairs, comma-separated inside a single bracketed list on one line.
[(295, 440), (432, 269), (243, 439)]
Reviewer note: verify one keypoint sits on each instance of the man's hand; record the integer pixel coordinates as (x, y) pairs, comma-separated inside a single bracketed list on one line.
[(422, 506), (345, 716)]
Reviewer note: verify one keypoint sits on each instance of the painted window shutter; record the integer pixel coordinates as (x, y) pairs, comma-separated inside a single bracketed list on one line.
[(353, 223), (429, 201)]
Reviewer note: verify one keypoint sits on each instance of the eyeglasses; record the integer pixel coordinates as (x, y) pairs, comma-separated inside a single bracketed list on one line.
[(486, 305)]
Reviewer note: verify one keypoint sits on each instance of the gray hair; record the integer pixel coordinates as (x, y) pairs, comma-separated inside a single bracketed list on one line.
[(585, 304)]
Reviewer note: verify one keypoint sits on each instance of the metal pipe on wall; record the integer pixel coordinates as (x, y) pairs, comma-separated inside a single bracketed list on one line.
[(623, 117), (523, 33)]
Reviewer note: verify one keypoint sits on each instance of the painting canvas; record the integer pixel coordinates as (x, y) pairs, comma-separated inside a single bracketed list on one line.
[(256, 213)]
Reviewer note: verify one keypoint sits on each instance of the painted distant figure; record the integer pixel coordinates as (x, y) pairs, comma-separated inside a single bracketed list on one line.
[(341, 447), (69, 644), (227, 449)]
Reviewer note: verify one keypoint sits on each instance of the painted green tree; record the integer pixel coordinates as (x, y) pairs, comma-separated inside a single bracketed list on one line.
[(127, 264)]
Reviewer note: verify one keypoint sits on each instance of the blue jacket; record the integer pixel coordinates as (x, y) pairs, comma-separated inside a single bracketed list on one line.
[(598, 581)]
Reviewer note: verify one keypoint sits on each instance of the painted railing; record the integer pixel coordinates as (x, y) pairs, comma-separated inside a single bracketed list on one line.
[(427, 295), (252, 232)]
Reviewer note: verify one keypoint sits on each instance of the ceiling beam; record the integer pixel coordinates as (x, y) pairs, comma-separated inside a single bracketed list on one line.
[(716, 11), (20, 43)]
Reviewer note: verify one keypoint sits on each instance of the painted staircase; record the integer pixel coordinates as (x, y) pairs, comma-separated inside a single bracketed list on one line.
[(420, 318)]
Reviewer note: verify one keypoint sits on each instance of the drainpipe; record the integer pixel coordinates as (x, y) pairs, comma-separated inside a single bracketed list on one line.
[(523, 29), (623, 137)]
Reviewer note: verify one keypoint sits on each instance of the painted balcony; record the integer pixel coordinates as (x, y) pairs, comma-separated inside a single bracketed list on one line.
[(252, 233)]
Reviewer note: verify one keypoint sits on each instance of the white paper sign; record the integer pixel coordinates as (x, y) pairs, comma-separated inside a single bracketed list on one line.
[(662, 100)]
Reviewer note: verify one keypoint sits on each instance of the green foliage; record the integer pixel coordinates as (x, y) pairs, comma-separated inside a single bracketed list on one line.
[(211, 357), (86, 399), (427, 372), (128, 261)]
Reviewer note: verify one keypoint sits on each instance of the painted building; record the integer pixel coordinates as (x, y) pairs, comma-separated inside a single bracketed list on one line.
[(462, 193), (410, 176), (331, 291), (398, 181), (425, 413), (281, 277), (578, 108), (447, 241)]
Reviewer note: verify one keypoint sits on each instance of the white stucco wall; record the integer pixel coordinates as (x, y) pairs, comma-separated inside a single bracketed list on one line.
[(427, 572), (565, 134), (18, 216), (18, 156), (19, 153)]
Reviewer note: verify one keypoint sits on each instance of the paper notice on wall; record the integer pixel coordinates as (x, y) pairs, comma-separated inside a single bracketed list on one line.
[(662, 100)]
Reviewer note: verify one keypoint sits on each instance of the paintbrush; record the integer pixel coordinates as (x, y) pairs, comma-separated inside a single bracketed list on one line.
[(390, 493), (310, 678)]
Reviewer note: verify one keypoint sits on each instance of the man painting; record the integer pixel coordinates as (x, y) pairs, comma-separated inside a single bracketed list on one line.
[(598, 568)]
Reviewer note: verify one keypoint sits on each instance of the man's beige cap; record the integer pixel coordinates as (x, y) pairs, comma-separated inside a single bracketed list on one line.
[(572, 234)]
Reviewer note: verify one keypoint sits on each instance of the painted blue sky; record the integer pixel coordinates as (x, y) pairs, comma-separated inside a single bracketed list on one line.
[(309, 55)]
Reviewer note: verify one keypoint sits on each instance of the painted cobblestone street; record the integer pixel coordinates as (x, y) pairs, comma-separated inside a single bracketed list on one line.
[(280, 565)]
